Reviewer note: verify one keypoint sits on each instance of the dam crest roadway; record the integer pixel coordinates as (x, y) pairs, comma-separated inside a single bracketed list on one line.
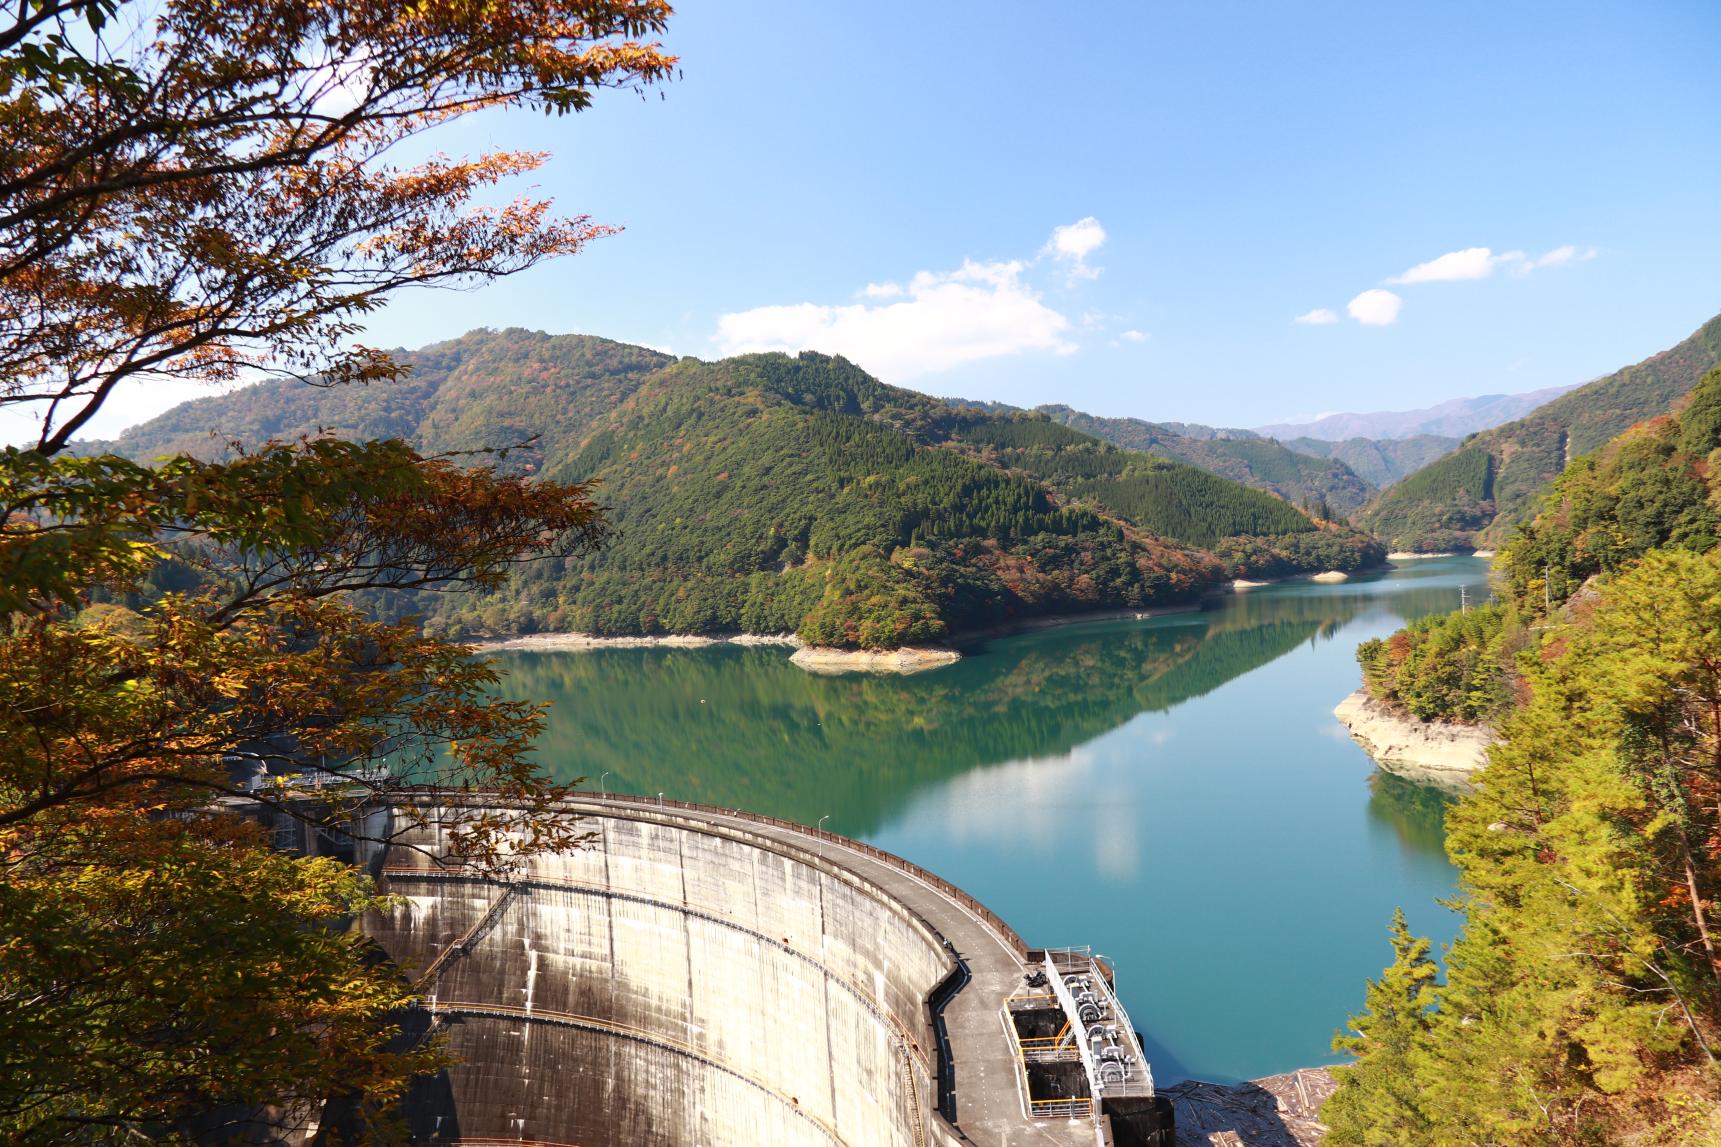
[(707, 976)]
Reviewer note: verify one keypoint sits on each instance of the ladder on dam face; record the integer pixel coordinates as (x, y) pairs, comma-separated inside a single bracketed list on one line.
[(469, 939)]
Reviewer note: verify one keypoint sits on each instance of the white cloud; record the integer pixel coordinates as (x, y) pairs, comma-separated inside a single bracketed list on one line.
[(1133, 337), (1072, 243), (1375, 308), (882, 291), (1481, 262), (1560, 256), (1319, 317), (1470, 263), (982, 310)]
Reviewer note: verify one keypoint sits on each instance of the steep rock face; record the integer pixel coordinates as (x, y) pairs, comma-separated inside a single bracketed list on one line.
[(1435, 751)]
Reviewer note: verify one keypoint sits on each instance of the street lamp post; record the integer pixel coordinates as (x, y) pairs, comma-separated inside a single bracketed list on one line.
[(602, 790), (822, 821)]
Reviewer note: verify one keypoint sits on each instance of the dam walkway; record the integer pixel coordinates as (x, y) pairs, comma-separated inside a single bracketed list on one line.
[(988, 1097)]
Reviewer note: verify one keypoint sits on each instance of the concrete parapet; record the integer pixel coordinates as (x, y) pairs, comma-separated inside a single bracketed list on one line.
[(679, 982)]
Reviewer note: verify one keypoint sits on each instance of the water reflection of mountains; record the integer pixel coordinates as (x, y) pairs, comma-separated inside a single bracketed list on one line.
[(743, 728)]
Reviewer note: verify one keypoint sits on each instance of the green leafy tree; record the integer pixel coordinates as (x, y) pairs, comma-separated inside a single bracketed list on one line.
[(1378, 1102), (1700, 421)]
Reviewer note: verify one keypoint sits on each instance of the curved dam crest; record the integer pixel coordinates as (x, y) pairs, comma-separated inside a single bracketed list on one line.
[(676, 982), (706, 976)]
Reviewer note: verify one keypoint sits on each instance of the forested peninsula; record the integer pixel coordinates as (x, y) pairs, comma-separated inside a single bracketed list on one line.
[(770, 494)]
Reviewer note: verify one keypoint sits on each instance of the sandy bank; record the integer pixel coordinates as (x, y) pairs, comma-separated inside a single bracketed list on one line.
[(544, 642), (1421, 750), (1331, 576), (1408, 556), (823, 659), (1482, 553)]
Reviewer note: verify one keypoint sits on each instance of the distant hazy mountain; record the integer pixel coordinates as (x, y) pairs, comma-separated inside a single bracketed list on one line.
[(1478, 493), (1453, 419), (1380, 461), (1240, 455)]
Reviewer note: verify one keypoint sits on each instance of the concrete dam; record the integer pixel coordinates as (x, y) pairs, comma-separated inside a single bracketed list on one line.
[(700, 976)]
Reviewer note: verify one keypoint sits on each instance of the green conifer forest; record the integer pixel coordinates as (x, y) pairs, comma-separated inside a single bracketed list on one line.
[(1582, 1001)]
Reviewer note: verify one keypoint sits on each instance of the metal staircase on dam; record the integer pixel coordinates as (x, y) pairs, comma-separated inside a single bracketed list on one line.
[(1077, 1053), (470, 938)]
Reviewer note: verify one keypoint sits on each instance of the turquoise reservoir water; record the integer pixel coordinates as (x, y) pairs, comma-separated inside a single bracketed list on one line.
[(1174, 792)]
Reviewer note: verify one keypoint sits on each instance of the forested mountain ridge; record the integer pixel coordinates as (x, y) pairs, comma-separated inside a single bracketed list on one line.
[(555, 387), (1377, 461), (1239, 455), (1477, 494), (768, 494), (1581, 1003)]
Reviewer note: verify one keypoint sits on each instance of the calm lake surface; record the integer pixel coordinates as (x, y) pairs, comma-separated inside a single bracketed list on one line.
[(1174, 792)]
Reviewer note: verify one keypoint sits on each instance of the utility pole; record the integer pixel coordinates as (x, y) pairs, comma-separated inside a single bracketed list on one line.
[(1463, 599)]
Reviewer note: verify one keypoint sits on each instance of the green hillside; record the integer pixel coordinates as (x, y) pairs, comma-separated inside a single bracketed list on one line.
[(1590, 850), (771, 494), (1477, 494), (1238, 455), (1378, 461)]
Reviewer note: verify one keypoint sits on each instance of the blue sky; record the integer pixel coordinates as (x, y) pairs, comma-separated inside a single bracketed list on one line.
[(1245, 163)]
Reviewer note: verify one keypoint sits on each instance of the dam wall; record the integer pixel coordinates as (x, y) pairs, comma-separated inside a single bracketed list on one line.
[(676, 982)]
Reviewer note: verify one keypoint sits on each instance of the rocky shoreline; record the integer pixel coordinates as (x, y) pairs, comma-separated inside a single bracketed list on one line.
[(1278, 1111), (1435, 751)]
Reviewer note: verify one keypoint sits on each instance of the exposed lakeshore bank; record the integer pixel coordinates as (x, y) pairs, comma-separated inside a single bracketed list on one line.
[(831, 659), (1439, 752), (906, 659), (1416, 555)]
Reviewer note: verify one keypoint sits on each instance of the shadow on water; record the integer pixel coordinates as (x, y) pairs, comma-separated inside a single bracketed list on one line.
[(1415, 811)]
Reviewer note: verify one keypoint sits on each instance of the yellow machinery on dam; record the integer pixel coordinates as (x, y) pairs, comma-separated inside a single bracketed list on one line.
[(705, 977)]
